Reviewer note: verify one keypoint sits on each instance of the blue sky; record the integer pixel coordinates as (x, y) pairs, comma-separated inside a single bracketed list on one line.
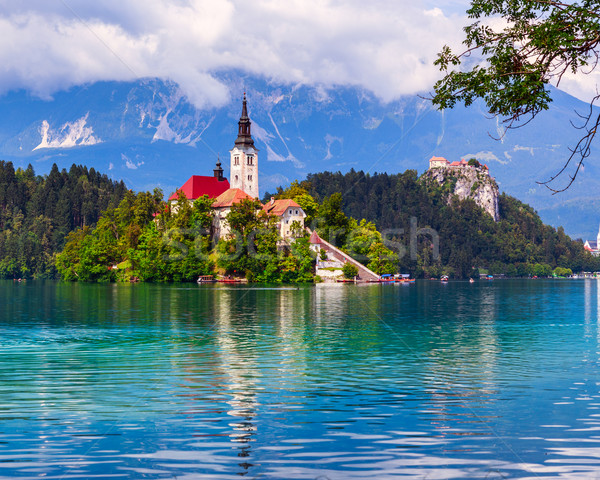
[(385, 46)]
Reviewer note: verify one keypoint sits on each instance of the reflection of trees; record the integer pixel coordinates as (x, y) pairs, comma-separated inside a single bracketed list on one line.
[(462, 366), (592, 310)]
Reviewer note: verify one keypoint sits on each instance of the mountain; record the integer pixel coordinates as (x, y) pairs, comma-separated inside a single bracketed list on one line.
[(148, 134)]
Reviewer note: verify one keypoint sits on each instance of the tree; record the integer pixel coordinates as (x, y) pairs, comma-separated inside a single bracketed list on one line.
[(333, 224), (538, 43), (349, 270)]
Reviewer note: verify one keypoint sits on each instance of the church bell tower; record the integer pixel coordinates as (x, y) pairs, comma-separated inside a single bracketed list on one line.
[(244, 158)]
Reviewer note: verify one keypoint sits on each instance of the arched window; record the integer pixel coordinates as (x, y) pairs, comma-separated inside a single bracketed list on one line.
[(249, 159)]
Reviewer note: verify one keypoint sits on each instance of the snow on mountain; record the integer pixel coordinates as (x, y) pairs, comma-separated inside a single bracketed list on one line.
[(69, 135)]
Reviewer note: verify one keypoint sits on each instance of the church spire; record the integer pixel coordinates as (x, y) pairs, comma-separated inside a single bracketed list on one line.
[(244, 136), (218, 171)]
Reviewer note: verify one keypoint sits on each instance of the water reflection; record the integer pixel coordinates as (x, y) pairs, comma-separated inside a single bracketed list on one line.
[(239, 371), (491, 380)]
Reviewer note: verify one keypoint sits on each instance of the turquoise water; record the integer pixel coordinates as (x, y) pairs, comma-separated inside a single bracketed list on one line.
[(491, 380)]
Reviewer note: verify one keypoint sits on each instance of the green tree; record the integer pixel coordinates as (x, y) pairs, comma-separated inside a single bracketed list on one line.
[(333, 224), (349, 270), (538, 42)]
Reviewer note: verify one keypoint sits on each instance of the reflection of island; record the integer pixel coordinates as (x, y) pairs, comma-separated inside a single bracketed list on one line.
[(592, 308), (239, 373), (330, 302)]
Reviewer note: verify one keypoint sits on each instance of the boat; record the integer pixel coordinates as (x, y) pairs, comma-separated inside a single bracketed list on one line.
[(387, 278), (229, 280), (444, 278), (471, 280), (206, 279)]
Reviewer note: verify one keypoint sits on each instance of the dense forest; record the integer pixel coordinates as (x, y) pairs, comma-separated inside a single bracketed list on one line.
[(470, 242), (37, 213), (391, 223), (145, 239)]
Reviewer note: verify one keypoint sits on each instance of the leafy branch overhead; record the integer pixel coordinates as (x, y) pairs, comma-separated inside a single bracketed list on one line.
[(514, 50)]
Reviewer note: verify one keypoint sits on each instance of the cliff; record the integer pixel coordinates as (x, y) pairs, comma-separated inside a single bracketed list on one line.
[(471, 181)]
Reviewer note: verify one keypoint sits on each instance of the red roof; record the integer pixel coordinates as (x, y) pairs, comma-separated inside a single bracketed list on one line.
[(315, 239), (455, 164), (231, 196), (278, 207), (198, 185)]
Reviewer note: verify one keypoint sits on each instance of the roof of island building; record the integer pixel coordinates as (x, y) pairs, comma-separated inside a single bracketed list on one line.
[(199, 185), (230, 197), (278, 207), (315, 239)]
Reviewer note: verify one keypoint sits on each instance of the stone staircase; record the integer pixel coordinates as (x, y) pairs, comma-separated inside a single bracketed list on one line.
[(335, 254)]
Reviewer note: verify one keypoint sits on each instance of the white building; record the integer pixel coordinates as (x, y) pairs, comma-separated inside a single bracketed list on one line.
[(244, 157), (438, 162), (287, 211), (222, 207), (593, 246)]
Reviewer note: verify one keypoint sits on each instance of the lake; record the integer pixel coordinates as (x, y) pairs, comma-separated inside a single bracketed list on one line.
[(491, 380)]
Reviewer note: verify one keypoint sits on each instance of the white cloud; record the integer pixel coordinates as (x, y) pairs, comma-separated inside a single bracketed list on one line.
[(386, 46), (486, 156), (129, 163)]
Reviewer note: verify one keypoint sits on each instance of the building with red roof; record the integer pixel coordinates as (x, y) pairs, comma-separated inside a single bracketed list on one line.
[(287, 211), (593, 246), (438, 162), (441, 162), (199, 185), (222, 206), (230, 197)]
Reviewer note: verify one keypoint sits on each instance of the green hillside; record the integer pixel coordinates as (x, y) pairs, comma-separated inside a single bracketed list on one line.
[(469, 240)]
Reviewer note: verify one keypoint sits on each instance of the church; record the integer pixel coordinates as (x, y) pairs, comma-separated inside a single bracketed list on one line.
[(593, 246), (242, 184)]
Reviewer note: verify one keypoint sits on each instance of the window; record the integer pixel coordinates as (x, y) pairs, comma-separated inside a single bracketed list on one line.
[(236, 178), (290, 211), (250, 159), (236, 160), (249, 178), (296, 212)]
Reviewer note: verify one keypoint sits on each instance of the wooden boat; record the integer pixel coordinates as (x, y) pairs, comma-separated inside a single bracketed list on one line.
[(229, 280), (206, 279)]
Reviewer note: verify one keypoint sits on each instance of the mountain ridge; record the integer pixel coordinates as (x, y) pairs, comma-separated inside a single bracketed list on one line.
[(148, 134)]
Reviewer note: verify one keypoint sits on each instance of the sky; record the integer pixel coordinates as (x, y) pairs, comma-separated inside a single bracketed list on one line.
[(385, 46)]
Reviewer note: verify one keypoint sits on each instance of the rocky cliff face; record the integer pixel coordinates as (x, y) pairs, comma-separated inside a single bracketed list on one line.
[(469, 182)]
